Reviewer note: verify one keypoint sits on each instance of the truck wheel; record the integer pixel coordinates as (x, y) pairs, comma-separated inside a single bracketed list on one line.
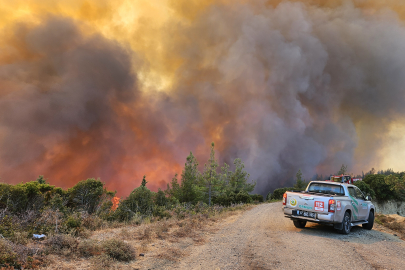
[(369, 225), (300, 223), (346, 224)]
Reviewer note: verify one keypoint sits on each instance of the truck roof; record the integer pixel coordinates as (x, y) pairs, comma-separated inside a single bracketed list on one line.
[(332, 183)]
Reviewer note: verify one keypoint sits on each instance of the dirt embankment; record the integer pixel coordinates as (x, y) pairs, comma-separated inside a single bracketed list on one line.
[(263, 239)]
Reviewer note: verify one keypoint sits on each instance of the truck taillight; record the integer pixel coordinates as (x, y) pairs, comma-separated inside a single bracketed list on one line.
[(331, 207), (284, 198)]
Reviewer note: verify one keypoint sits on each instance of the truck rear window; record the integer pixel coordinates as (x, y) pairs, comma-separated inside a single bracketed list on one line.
[(326, 188)]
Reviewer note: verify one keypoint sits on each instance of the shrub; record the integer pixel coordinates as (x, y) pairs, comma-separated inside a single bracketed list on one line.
[(7, 255), (257, 197), (139, 201), (119, 250), (161, 212), (7, 227), (87, 195), (88, 248), (243, 197), (365, 188), (61, 244), (225, 199), (278, 193), (73, 222), (92, 222), (160, 198), (382, 190), (20, 238), (19, 256)]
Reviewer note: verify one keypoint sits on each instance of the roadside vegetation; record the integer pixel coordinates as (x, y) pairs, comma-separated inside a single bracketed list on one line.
[(70, 218)]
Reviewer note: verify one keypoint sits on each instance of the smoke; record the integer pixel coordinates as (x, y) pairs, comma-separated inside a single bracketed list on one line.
[(70, 108), (281, 85), (294, 87)]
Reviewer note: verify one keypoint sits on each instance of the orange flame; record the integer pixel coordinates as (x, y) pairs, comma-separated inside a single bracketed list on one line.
[(116, 202)]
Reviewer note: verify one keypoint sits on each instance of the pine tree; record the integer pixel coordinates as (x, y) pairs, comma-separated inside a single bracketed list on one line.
[(342, 170), (300, 184), (144, 181), (41, 179), (210, 173), (239, 178), (190, 177)]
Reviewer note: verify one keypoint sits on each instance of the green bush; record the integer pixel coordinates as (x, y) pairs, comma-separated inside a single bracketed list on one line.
[(225, 199), (278, 193), (160, 198), (382, 190), (119, 250), (257, 197), (7, 228), (87, 195), (73, 222), (365, 188), (243, 197), (161, 212), (139, 201)]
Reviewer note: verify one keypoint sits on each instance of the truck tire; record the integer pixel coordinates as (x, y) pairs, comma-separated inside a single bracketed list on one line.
[(346, 224), (300, 223), (369, 225)]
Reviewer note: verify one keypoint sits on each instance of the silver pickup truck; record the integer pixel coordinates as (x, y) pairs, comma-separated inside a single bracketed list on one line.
[(336, 204)]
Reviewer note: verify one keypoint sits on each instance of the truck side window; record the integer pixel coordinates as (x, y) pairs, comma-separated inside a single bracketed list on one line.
[(352, 192), (359, 194)]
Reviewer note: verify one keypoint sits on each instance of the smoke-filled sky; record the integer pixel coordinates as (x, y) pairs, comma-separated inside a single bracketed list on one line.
[(120, 89)]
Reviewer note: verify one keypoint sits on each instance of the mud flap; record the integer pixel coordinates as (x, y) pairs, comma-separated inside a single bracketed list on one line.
[(338, 226)]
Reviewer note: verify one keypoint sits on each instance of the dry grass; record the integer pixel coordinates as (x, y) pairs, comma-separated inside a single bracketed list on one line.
[(172, 254), (164, 239), (393, 222), (62, 244), (383, 219), (396, 226), (89, 248), (102, 261)]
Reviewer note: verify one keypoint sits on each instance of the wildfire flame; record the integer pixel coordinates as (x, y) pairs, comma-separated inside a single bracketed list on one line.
[(116, 202)]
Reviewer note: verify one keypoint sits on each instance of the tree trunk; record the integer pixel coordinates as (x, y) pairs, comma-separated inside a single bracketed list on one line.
[(209, 195)]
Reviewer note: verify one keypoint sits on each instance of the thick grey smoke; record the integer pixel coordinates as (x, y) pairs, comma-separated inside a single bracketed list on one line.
[(69, 107), (293, 87)]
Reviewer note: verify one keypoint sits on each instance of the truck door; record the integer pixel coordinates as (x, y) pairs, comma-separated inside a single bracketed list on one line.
[(355, 203), (363, 206)]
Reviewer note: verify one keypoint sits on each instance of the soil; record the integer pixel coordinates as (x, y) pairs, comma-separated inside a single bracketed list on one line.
[(262, 238)]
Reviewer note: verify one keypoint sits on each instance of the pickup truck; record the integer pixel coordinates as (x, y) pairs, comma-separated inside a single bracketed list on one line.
[(336, 204)]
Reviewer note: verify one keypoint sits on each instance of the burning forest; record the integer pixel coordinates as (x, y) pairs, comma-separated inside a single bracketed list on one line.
[(117, 89)]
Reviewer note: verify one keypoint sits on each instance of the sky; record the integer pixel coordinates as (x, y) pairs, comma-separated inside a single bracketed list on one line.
[(120, 89)]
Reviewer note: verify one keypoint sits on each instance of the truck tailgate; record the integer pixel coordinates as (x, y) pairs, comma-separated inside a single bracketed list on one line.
[(308, 202)]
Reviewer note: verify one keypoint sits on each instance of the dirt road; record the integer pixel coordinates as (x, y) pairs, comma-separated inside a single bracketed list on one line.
[(262, 238)]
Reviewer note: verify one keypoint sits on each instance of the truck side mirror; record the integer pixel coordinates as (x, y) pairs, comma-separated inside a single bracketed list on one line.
[(368, 198)]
